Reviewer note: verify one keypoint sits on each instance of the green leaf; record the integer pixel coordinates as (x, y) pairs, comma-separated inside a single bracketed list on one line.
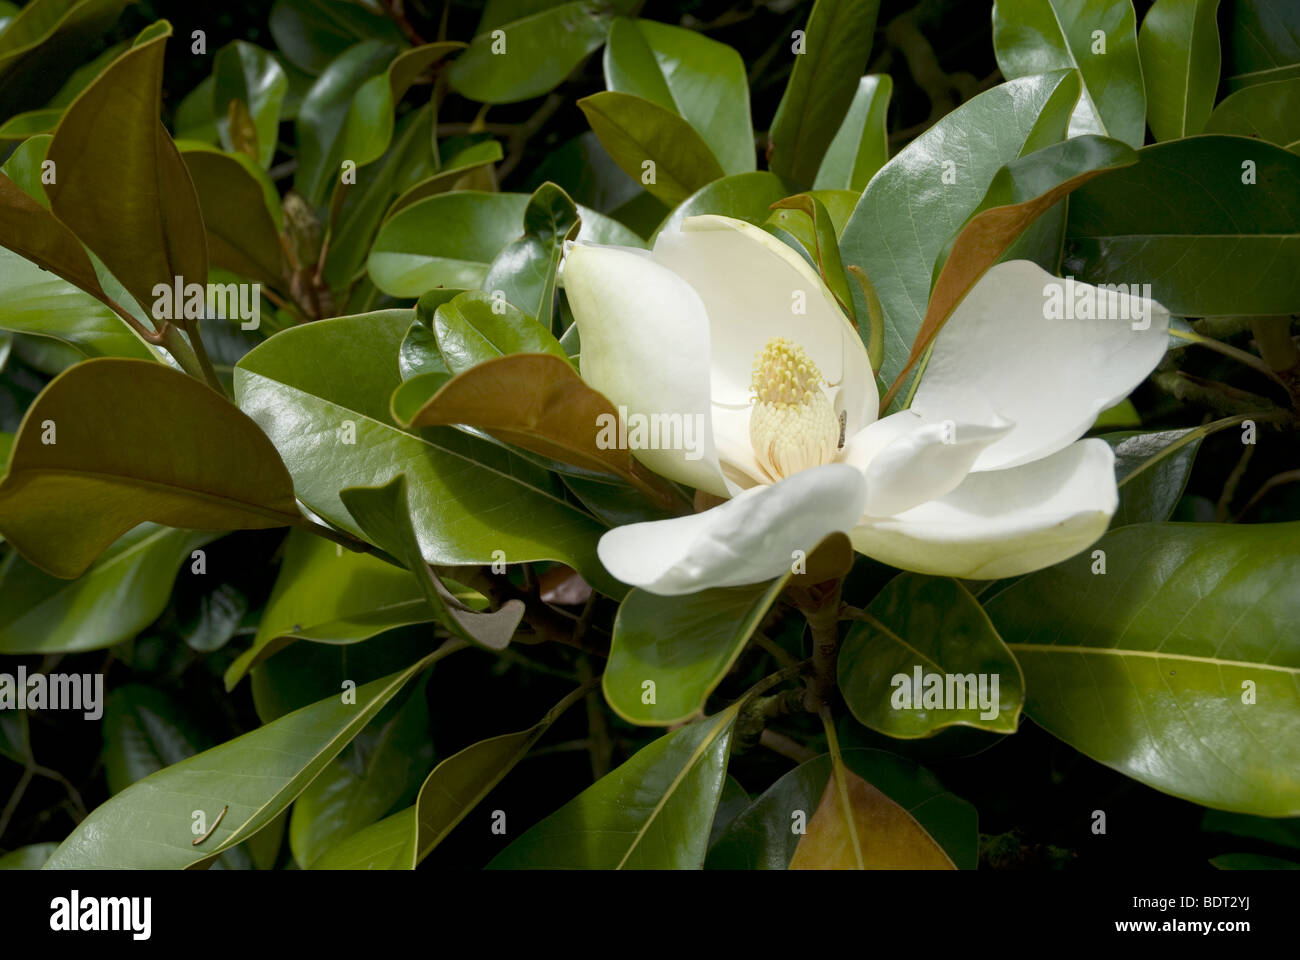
[(1262, 42), (31, 857), (1178, 666), (474, 327), (451, 239), (468, 499), (241, 213), (326, 110), (311, 33), (144, 731), (454, 788), (326, 594), (1269, 111), (653, 812), (908, 213), (30, 124), (701, 80), (822, 86), (1021, 192), (861, 145), (651, 144), (1152, 471), (761, 837), (1179, 46), (522, 50), (683, 646), (526, 270), (43, 35), (122, 187), (745, 196), (247, 73), (36, 302), (377, 771), (193, 119), (812, 226), (256, 776), (453, 177), (118, 596), (167, 449), (1098, 38), (354, 221), (384, 513), (934, 626), (1225, 248)]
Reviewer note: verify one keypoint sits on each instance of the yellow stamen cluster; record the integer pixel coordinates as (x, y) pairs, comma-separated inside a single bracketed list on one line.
[(792, 426)]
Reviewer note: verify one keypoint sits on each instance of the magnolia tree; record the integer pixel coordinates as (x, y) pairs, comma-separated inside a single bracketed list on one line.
[(552, 436)]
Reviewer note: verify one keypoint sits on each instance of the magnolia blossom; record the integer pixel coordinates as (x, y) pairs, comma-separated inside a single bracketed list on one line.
[(983, 476)]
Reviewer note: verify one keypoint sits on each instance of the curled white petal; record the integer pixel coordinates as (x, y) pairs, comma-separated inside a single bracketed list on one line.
[(748, 539)]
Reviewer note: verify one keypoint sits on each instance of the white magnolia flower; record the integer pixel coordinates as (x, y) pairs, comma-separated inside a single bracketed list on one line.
[(984, 476)]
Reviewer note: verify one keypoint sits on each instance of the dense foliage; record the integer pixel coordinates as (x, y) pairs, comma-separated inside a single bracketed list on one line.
[(301, 463)]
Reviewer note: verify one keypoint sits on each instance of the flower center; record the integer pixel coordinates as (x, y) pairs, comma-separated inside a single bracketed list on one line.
[(792, 426)]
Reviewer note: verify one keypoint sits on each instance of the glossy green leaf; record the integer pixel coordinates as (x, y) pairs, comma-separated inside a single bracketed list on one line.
[(31, 857), (681, 646), (245, 72), (908, 213), (861, 145), (475, 327), (1270, 111), (63, 503), (1179, 46), (326, 594), (311, 33), (384, 514), (1178, 666), (377, 771), (816, 232), (241, 213), (118, 596), (43, 33), (451, 239), (468, 499), (453, 177), (410, 159), (255, 776), (523, 50), (454, 788), (745, 196), (1226, 247), (122, 187), (1261, 42), (925, 657), (326, 110), (700, 79), (761, 837), (652, 145), (653, 812), (527, 269), (36, 302), (822, 86), (30, 124), (1098, 38), (1152, 470), (24, 167)]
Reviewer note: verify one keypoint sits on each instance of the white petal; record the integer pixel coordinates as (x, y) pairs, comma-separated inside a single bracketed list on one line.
[(752, 284), (908, 460), (1001, 355), (645, 346), (1005, 522), (746, 540)]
